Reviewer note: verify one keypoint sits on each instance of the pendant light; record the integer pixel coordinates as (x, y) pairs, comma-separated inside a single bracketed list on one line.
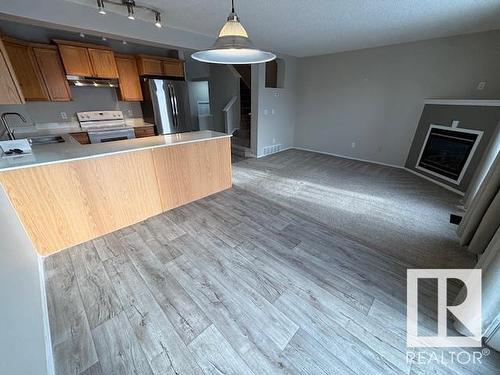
[(233, 46)]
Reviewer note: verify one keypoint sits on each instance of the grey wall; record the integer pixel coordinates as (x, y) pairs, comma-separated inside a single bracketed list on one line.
[(84, 99), (374, 97), (224, 84), (23, 326), (274, 109), (486, 119)]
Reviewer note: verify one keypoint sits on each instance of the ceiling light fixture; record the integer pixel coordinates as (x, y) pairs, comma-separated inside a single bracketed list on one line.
[(131, 15), (100, 6), (157, 19), (233, 46)]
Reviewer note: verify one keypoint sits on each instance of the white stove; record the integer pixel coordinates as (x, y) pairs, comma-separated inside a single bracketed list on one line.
[(105, 126)]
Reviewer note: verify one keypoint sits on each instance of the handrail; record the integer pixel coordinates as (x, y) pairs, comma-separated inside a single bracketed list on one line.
[(231, 117)]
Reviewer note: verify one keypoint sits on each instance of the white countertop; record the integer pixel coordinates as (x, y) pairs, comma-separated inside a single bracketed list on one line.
[(72, 150)]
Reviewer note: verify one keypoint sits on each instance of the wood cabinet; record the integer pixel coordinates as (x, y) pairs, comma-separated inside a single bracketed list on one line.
[(173, 67), (81, 137), (10, 91), (28, 73), (103, 63), (52, 70), (128, 77), (39, 70), (144, 131), (160, 66), (76, 60), (149, 66), (87, 60)]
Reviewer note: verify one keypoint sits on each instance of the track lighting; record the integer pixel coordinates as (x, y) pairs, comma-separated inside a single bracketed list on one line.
[(131, 7), (100, 6), (157, 19), (131, 15)]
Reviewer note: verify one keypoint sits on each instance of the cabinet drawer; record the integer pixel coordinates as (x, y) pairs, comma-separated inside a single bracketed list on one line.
[(81, 137), (144, 131)]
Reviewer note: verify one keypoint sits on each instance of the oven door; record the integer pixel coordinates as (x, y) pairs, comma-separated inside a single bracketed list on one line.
[(111, 135)]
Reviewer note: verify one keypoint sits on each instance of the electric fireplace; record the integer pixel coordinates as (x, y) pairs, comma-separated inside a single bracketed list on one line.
[(447, 152)]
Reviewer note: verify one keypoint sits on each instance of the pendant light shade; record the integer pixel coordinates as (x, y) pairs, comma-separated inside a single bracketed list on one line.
[(233, 46)]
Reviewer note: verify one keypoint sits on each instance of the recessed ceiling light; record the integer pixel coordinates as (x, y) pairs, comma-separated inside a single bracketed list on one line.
[(233, 46)]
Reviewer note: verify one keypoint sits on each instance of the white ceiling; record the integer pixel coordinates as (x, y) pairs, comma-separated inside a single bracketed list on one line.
[(314, 27)]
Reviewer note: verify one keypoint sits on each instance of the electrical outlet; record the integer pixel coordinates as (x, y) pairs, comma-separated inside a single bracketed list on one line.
[(64, 115), (353, 144), (481, 85)]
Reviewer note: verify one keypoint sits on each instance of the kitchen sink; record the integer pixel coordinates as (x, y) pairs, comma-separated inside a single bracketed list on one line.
[(46, 140)]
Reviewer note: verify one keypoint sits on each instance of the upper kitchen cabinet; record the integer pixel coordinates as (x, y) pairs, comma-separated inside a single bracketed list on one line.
[(38, 69), (160, 66), (28, 73), (76, 60), (128, 77), (103, 63), (50, 64), (87, 60), (173, 67), (149, 65), (10, 91)]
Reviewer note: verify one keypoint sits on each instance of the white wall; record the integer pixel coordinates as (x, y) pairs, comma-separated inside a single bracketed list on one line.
[(270, 128), (374, 97), (23, 327)]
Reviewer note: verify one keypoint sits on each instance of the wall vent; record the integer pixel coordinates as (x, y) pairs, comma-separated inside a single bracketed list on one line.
[(271, 149)]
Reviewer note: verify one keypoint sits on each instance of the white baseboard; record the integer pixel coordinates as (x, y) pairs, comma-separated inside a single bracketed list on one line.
[(456, 191), (348, 157)]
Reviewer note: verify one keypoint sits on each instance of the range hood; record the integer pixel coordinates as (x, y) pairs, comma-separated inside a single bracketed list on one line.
[(91, 82)]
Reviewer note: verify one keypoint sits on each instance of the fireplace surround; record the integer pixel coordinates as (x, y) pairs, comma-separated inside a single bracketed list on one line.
[(447, 152)]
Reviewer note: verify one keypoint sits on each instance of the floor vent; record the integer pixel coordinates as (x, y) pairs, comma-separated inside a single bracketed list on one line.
[(271, 149)]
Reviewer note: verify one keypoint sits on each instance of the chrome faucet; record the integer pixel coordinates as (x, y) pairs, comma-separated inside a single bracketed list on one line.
[(9, 131)]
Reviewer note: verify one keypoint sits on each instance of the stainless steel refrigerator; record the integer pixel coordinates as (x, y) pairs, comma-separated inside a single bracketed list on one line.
[(166, 104)]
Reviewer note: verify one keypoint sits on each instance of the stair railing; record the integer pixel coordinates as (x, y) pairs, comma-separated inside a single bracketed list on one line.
[(231, 116)]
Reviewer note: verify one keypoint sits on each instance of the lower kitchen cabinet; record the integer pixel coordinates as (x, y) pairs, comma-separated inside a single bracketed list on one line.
[(144, 131), (81, 137)]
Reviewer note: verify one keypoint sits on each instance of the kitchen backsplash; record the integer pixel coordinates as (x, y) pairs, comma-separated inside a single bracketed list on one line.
[(84, 99)]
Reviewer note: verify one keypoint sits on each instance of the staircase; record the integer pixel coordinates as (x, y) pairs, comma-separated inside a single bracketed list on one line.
[(242, 136)]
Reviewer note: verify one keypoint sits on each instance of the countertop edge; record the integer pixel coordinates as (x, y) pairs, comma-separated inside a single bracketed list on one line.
[(34, 165)]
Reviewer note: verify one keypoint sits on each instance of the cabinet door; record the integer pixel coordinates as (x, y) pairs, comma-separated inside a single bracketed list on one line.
[(53, 74), (144, 131), (27, 72), (130, 85), (173, 68), (103, 63), (149, 66), (10, 91), (76, 60)]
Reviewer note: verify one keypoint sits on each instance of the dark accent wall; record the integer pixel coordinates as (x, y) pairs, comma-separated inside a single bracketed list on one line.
[(485, 118)]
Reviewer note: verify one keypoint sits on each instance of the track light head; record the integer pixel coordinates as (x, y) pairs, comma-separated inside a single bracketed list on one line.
[(157, 19), (100, 6)]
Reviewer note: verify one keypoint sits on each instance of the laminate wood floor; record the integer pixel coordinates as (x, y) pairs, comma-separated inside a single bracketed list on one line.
[(244, 282)]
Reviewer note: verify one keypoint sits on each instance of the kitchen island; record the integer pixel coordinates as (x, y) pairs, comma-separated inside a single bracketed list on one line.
[(66, 194)]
